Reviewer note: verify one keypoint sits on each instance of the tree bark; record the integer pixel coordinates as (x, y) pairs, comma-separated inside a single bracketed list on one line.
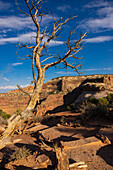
[(16, 121)]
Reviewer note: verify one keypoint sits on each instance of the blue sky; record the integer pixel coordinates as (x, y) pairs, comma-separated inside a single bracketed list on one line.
[(95, 17)]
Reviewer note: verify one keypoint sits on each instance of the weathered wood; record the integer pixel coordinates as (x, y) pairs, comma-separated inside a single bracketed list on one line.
[(63, 162), (78, 165), (16, 120), (38, 51)]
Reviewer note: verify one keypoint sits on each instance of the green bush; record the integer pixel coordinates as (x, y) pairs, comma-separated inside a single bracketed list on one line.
[(103, 101), (4, 114), (68, 108), (92, 100), (95, 108), (109, 96)]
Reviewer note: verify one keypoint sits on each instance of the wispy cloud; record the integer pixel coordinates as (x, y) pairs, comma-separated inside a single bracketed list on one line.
[(26, 38), (11, 87), (98, 69), (104, 19), (4, 5), (99, 39), (29, 78), (65, 72), (22, 22), (16, 64), (96, 4), (64, 8), (14, 22), (23, 38), (98, 24), (6, 79)]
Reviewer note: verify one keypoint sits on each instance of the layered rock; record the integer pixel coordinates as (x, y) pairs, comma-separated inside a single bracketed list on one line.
[(10, 102)]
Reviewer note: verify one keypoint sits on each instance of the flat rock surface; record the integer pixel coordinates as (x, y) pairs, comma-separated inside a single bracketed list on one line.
[(81, 143), (64, 133)]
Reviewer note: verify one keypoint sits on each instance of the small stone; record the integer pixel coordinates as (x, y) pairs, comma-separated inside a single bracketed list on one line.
[(44, 160)]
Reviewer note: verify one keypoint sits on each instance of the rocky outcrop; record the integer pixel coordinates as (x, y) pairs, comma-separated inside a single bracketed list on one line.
[(15, 99), (52, 101), (68, 83)]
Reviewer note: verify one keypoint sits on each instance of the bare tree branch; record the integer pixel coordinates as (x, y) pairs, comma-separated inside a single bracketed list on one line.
[(24, 91), (67, 54)]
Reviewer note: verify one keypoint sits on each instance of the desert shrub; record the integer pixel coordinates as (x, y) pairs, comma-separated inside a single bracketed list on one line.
[(18, 111), (109, 96), (68, 108), (71, 107), (100, 111), (103, 101), (62, 120), (22, 152), (95, 108), (92, 100), (86, 107), (4, 114)]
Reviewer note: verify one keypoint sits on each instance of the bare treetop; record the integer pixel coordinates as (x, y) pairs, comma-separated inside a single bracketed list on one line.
[(40, 51)]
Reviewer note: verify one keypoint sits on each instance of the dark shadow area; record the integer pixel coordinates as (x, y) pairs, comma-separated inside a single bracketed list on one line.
[(73, 95), (94, 80), (6, 155), (68, 99), (20, 167), (106, 153), (55, 120), (84, 132), (64, 139)]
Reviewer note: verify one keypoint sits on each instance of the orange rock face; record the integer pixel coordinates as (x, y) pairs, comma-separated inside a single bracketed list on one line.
[(15, 99)]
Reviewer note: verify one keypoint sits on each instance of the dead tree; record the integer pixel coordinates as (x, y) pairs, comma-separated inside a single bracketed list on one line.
[(41, 60)]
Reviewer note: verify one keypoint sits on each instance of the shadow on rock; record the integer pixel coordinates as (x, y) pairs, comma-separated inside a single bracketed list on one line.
[(106, 153)]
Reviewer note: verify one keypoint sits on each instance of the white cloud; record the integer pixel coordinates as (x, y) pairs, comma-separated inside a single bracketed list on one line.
[(96, 4), (98, 69), (6, 79), (29, 78), (99, 39), (4, 5), (23, 38), (105, 11), (64, 72), (12, 87), (16, 64), (26, 38), (64, 8), (104, 19), (99, 24), (14, 22), (19, 23)]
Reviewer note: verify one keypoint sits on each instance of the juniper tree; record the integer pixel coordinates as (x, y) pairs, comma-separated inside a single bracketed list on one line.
[(42, 60)]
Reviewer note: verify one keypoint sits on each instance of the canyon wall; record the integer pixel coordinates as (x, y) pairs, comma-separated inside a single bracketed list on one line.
[(11, 101)]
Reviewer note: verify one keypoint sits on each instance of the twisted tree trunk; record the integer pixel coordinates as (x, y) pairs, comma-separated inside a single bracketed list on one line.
[(16, 120)]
